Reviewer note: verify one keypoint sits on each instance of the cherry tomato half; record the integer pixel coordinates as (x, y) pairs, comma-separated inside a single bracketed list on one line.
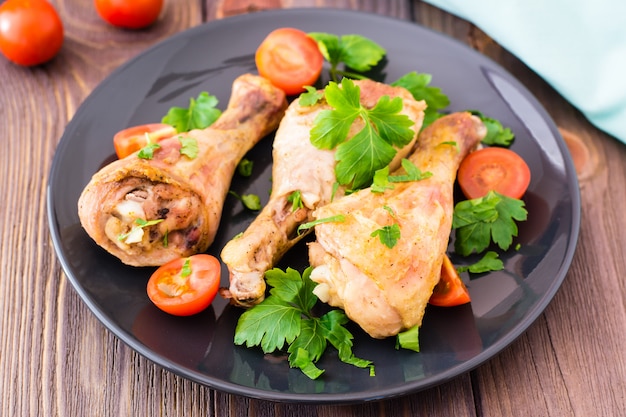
[(129, 14), (185, 286), (134, 138), (493, 169), (290, 59), (31, 32), (450, 291)]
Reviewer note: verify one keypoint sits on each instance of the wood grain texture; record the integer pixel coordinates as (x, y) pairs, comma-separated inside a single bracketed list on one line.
[(58, 360)]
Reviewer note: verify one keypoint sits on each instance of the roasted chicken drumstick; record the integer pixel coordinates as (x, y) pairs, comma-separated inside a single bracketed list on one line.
[(150, 211), (385, 290), (300, 167)]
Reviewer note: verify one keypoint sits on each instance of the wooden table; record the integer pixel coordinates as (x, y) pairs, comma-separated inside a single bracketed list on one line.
[(58, 360)]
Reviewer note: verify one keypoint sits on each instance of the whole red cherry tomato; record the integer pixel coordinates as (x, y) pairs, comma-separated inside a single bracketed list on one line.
[(129, 14), (31, 31), (290, 59)]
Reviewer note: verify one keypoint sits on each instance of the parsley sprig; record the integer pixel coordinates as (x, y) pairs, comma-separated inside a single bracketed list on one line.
[(284, 319), (419, 86), (372, 148), (356, 52), (201, 113), (480, 221)]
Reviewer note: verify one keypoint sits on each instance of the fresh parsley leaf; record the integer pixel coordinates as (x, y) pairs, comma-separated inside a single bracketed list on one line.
[(409, 339), (201, 113), (489, 262), (418, 85), (388, 235), (285, 318), (311, 224), (497, 134), (480, 221), (244, 167), (301, 358), (147, 152), (290, 286), (356, 52), (295, 198), (413, 173), (189, 147), (282, 325), (139, 225), (250, 201), (372, 148), (341, 339), (310, 97), (380, 182)]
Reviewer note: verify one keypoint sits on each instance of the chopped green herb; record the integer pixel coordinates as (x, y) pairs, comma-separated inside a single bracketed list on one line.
[(388, 235), (380, 182), (285, 318), (295, 198), (147, 152), (200, 114), (250, 201), (497, 135), (370, 149), (489, 262), (244, 167), (356, 52), (186, 269), (413, 173), (140, 224), (189, 147), (480, 221), (390, 211), (409, 339), (310, 97), (309, 225), (450, 143)]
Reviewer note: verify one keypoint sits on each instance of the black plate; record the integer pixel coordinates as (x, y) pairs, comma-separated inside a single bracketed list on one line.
[(200, 348)]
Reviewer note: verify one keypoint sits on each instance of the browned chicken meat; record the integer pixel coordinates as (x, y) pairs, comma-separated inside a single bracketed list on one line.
[(385, 290), (298, 167), (150, 211)]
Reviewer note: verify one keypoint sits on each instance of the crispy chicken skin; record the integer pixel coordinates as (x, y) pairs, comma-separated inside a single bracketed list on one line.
[(180, 197), (385, 290), (297, 166)]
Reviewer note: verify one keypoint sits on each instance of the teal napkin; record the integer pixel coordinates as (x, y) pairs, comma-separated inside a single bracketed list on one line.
[(577, 46)]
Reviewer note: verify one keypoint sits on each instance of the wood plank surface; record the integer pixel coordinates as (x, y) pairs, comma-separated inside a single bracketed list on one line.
[(57, 359)]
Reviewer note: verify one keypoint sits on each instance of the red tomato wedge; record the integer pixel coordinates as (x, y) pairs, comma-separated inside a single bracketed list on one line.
[(134, 138), (493, 169), (450, 291), (185, 286), (290, 59)]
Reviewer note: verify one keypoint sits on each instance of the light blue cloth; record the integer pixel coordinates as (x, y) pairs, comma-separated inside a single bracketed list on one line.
[(577, 46)]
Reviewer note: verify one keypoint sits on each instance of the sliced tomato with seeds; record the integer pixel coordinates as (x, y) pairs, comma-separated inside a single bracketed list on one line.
[(132, 139), (450, 291), (290, 59), (185, 286), (493, 169)]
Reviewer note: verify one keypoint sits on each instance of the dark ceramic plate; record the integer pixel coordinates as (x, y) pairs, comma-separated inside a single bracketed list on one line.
[(200, 348)]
